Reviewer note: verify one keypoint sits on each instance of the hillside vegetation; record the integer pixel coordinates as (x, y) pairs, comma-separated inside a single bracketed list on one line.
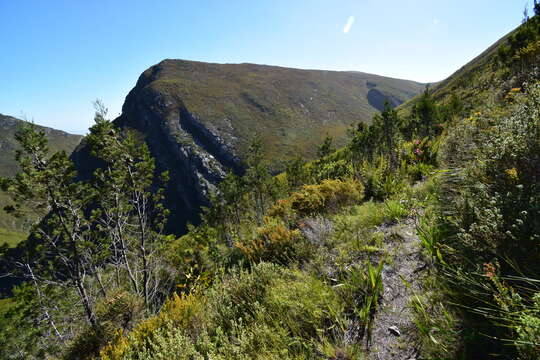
[(419, 239), (58, 141), (235, 101), (198, 120)]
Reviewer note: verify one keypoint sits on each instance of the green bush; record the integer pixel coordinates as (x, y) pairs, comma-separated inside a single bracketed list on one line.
[(116, 314), (267, 312), (327, 196), (273, 242), (379, 180), (490, 206), (395, 210)]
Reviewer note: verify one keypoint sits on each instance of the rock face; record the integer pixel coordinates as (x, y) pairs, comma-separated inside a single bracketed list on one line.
[(199, 118)]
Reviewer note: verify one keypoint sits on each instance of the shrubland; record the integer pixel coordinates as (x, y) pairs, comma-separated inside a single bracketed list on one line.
[(290, 266)]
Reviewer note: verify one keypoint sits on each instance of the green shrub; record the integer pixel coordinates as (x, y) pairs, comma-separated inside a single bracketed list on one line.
[(115, 314), (437, 327), (489, 207), (267, 312), (379, 180), (273, 242), (332, 169), (327, 196), (362, 289), (395, 210)]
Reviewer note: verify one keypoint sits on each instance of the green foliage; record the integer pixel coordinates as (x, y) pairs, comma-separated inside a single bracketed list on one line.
[(327, 196), (380, 180), (331, 169), (296, 173), (273, 242), (57, 140), (257, 178), (128, 214), (487, 237), (425, 115), (380, 138), (326, 148), (369, 284), (25, 322), (437, 326), (395, 210), (527, 327), (267, 312), (17, 330), (115, 314), (96, 233)]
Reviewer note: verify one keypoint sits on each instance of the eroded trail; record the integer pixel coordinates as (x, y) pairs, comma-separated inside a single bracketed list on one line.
[(392, 335)]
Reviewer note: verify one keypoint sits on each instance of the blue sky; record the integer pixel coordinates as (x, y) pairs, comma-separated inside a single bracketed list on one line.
[(57, 57)]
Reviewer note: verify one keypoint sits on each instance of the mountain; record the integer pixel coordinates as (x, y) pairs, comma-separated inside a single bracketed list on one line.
[(433, 256), (58, 140), (199, 118)]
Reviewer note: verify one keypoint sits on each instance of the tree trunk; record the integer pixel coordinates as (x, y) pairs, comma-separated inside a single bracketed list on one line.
[(91, 317)]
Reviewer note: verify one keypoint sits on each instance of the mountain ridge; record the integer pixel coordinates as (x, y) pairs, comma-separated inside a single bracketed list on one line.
[(199, 118)]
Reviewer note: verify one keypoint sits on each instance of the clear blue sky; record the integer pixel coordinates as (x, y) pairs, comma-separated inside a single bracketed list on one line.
[(56, 57)]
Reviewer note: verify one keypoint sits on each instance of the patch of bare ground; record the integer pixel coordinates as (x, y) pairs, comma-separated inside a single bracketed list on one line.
[(393, 329)]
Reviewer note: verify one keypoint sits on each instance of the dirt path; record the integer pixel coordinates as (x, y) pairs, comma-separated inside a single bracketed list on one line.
[(392, 335)]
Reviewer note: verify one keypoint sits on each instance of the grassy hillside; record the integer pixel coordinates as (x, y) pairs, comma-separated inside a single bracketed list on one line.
[(199, 120), (291, 109), (489, 77), (58, 140)]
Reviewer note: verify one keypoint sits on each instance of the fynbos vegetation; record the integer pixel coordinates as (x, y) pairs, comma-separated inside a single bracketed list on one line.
[(417, 239)]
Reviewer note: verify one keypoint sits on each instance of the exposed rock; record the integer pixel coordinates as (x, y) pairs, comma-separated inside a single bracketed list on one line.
[(394, 330)]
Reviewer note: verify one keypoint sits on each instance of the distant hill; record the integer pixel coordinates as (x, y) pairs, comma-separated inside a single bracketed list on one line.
[(58, 140), (199, 118), (292, 109)]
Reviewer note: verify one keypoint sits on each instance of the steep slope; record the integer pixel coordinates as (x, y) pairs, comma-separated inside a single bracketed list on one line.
[(488, 77), (200, 118), (58, 140)]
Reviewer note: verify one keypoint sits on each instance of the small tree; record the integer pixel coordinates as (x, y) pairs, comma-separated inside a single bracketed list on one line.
[(227, 205), (424, 114), (47, 183), (259, 183), (362, 142), (128, 204), (296, 173), (385, 129), (326, 148)]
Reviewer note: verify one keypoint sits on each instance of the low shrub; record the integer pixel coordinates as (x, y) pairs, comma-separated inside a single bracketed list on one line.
[(327, 196), (273, 242), (379, 180), (115, 314), (267, 312), (332, 169), (395, 210)]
